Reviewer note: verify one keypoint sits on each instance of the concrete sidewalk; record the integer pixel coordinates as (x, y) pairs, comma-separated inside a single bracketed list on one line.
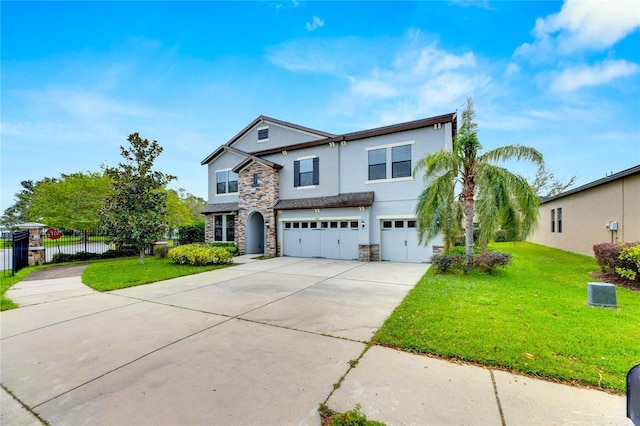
[(259, 343)]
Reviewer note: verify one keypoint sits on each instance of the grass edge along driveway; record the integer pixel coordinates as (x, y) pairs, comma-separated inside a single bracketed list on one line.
[(531, 318)]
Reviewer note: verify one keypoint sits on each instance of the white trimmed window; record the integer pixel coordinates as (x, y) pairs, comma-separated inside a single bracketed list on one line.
[(226, 182)]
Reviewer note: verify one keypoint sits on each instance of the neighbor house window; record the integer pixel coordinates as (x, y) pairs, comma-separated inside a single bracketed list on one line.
[(401, 161), (263, 134), (226, 182), (553, 220), (306, 172), (559, 220), (378, 164)]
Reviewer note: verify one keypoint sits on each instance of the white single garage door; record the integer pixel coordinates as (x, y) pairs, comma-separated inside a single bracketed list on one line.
[(324, 238), (399, 242)]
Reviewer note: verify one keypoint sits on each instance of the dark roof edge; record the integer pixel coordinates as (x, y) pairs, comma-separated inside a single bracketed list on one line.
[(611, 178), (379, 131), (251, 158), (261, 119)]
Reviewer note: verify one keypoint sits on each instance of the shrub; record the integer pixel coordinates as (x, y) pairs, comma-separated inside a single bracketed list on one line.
[(491, 260), (630, 254), (446, 262), (199, 254), (189, 234), (83, 255), (608, 257), (501, 236), (231, 247), (161, 251)]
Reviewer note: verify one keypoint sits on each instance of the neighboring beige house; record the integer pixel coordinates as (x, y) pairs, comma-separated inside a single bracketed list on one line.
[(606, 210)]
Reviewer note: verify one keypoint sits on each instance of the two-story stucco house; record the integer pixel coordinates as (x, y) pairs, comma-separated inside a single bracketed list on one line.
[(282, 189)]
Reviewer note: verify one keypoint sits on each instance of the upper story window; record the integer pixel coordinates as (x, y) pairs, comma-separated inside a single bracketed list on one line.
[(401, 161), (263, 134), (226, 182), (388, 162), (378, 164), (306, 172)]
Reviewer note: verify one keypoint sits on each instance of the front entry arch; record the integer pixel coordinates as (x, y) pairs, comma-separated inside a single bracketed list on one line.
[(255, 233)]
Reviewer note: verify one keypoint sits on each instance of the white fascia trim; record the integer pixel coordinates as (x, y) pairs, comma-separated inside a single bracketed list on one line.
[(396, 216), (315, 135), (389, 145), (314, 219), (306, 157), (402, 179)]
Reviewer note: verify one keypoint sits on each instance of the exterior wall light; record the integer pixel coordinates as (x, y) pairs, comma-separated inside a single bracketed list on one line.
[(362, 223)]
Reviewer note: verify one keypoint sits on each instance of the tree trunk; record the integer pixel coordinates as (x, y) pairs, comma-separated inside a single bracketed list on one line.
[(468, 231), (142, 256)]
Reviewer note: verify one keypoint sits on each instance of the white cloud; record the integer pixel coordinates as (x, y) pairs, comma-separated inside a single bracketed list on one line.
[(512, 69), (577, 77), (315, 24), (397, 79), (582, 25)]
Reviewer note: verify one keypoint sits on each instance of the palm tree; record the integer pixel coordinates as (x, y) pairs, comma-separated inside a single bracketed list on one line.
[(492, 194)]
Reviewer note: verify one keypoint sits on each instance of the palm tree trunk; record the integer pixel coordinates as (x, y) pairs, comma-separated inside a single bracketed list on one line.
[(142, 256), (468, 231)]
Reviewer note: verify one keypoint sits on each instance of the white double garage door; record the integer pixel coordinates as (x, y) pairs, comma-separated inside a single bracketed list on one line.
[(339, 240)]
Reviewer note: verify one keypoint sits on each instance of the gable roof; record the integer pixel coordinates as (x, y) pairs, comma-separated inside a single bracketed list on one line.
[(611, 178), (265, 119), (325, 137), (378, 131)]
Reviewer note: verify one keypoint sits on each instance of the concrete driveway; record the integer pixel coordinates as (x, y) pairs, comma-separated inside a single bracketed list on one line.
[(259, 343)]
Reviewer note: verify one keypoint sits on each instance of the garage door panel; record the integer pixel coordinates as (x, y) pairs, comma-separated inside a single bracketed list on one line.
[(349, 244), (393, 245), (329, 247), (291, 242), (310, 243)]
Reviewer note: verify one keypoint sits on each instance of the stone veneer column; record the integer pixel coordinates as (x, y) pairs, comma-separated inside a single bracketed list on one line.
[(260, 198), (208, 227)]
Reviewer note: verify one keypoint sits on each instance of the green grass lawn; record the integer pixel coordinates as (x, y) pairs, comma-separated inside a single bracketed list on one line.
[(531, 318), (112, 274)]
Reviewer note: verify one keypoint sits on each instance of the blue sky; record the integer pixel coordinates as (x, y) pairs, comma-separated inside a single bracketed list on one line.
[(79, 77)]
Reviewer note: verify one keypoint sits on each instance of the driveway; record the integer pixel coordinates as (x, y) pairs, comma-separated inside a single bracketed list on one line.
[(259, 343)]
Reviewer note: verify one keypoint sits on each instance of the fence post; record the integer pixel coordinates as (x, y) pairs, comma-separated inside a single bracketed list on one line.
[(37, 252)]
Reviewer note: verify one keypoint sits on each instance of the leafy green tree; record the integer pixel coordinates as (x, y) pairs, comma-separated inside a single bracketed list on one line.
[(134, 214), (178, 212), (194, 204), (19, 211), (464, 181), (73, 201)]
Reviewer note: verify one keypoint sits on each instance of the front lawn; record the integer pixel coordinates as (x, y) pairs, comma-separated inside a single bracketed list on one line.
[(113, 274), (531, 318)]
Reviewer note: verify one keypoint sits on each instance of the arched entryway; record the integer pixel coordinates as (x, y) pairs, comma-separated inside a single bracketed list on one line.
[(255, 233)]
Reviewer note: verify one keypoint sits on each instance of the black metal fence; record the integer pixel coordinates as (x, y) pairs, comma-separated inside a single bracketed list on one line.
[(15, 247)]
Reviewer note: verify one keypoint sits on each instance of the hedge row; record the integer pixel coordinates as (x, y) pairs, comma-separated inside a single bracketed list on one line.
[(486, 262), (199, 254), (83, 255)]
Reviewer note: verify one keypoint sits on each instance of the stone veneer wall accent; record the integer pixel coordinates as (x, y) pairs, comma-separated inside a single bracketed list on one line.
[(259, 198), (208, 227), (369, 253)]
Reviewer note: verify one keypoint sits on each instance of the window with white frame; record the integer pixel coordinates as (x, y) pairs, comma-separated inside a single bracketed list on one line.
[(306, 172), (263, 134), (389, 162), (226, 182), (224, 228), (378, 164)]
